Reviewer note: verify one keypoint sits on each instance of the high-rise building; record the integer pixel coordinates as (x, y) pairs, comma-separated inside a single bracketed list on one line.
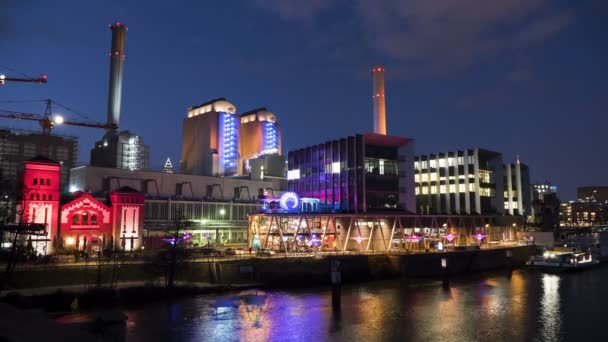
[(460, 182), (18, 146), (210, 140), (260, 134), (362, 173)]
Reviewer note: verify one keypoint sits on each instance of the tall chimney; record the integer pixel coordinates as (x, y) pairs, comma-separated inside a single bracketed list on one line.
[(117, 60), (379, 100)]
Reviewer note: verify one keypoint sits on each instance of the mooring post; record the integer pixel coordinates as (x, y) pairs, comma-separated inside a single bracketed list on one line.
[(509, 262), (336, 279), (445, 273)]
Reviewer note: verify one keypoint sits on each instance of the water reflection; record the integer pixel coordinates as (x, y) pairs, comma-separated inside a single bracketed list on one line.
[(527, 306), (550, 317)]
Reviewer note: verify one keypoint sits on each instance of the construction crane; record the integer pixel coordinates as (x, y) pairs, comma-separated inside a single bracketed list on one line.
[(41, 79), (48, 122)]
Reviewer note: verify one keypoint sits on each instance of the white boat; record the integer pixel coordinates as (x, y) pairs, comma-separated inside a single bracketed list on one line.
[(563, 260)]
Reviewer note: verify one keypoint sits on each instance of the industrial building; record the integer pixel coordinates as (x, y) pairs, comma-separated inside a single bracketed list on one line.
[(210, 140), (17, 146), (472, 181), (124, 150), (83, 223), (261, 145)]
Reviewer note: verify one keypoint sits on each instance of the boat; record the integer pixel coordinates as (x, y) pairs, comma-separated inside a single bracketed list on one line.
[(559, 260)]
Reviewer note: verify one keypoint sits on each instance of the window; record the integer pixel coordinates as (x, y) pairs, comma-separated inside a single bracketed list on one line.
[(48, 181), (50, 197), (425, 177), (461, 188), (433, 163), (417, 191), (471, 186), (452, 188), (433, 177), (442, 162), (433, 189), (75, 219), (460, 160), (442, 189), (93, 219), (417, 178), (37, 197), (31, 196), (451, 161), (85, 218), (35, 182), (425, 190), (44, 197)]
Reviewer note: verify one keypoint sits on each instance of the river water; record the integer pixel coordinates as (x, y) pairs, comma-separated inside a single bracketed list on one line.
[(528, 306)]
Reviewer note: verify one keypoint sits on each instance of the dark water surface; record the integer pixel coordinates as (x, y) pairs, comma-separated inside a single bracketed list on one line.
[(530, 306)]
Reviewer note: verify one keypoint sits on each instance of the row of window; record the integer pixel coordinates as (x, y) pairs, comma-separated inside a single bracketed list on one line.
[(83, 218), (44, 197), (444, 189), (443, 162), (41, 181)]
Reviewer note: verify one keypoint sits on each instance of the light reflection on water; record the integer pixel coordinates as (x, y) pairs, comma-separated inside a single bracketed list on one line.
[(527, 306)]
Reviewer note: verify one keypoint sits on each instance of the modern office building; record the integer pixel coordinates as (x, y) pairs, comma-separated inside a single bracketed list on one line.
[(593, 194), (517, 196), (210, 140), (581, 214), (363, 173), (459, 182), (17, 146)]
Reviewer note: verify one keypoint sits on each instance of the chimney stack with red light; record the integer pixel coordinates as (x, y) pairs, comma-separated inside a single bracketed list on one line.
[(379, 100), (117, 60)]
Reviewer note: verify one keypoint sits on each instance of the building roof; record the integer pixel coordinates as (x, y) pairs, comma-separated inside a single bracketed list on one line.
[(253, 111), (209, 102), (42, 160), (126, 190), (385, 140)]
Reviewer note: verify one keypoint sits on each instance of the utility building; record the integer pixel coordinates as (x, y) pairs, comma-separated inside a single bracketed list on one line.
[(210, 140)]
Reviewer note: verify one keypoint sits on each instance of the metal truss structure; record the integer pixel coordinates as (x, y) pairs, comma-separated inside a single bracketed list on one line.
[(300, 232)]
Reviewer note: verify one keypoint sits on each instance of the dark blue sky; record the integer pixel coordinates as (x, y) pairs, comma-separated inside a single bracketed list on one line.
[(523, 77)]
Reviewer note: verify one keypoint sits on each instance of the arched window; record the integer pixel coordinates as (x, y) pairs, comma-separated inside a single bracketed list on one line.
[(93, 219), (44, 197), (37, 197), (75, 219), (32, 196), (50, 197), (85, 218)]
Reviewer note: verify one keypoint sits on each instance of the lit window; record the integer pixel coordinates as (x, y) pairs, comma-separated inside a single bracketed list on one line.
[(35, 182), (417, 178), (417, 191), (433, 163), (425, 190), (293, 174), (442, 189), (335, 167), (433, 189), (433, 177), (461, 188), (452, 188), (425, 177)]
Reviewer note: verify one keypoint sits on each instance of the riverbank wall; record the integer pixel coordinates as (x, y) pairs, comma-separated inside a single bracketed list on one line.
[(277, 271)]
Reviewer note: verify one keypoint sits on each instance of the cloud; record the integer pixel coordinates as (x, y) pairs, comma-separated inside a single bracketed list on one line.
[(439, 36)]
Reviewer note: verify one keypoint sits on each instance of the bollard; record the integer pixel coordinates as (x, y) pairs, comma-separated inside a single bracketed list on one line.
[(509, 254), (336, 279), (445, 275)]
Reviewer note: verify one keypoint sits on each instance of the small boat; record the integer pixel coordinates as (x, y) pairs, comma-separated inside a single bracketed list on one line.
[(563, 260)]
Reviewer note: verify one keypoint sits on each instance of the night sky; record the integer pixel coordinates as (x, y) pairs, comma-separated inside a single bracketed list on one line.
[(523, 77)]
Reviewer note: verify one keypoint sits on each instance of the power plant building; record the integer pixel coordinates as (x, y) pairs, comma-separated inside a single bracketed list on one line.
[(260, 142), (210, 140)]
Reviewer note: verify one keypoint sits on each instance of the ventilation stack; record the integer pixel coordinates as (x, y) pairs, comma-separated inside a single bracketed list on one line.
[(117, 61), (379, 100)]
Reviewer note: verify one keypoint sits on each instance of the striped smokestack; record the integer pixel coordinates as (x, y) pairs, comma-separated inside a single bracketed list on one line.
[(117, 60), (379, 100)]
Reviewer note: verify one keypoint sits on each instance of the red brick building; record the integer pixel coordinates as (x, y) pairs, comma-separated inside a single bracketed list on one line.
[(85, 223)]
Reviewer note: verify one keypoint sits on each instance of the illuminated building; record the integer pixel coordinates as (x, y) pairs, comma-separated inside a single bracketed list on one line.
[(40, 184), (84, 223), (168, 168), (121, 150), (472, 181), (362, 173), (260, 142), (17, 146), (461, 182), (517, 196), (541, 188), (210, 140), (593, 194)]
